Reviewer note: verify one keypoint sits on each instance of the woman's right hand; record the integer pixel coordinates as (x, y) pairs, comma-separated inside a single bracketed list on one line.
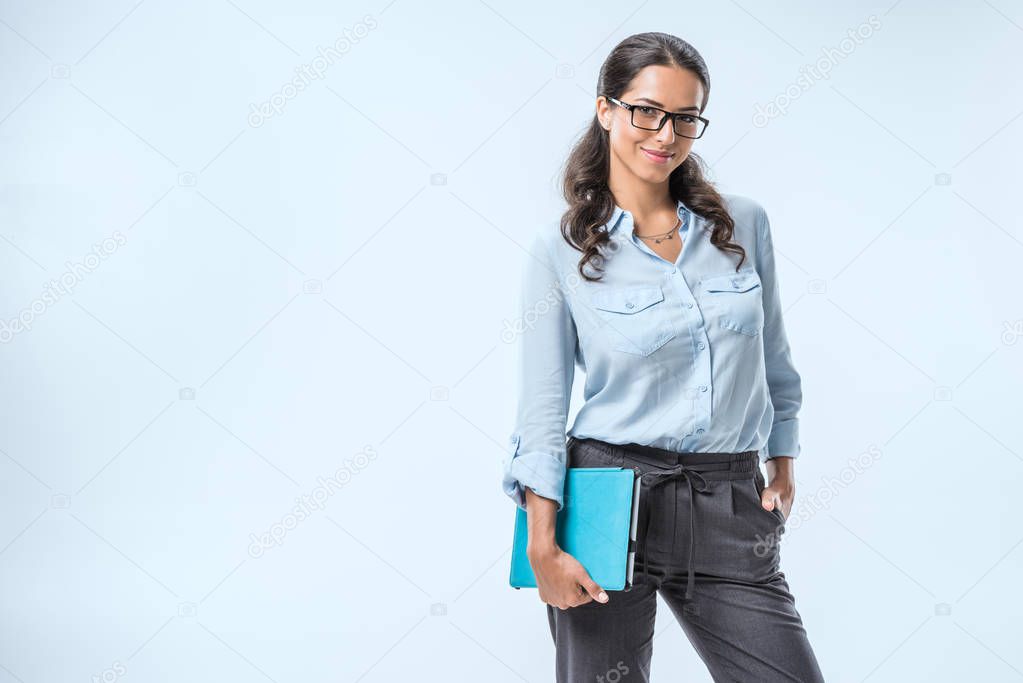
[(562, 581)]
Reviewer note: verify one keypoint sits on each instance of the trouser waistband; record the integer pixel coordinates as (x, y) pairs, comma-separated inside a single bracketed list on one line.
[(714, 465)]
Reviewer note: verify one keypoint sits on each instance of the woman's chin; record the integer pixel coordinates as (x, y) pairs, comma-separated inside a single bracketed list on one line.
[(652, 174)]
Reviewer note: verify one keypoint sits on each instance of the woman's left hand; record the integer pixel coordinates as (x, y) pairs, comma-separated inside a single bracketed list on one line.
[(781, 490)]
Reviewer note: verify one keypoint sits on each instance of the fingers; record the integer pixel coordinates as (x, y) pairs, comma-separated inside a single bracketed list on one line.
[(586, 592), (592, 589), (771, 500)]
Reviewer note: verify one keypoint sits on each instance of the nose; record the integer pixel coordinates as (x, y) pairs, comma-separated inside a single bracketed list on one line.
[(666, 135)]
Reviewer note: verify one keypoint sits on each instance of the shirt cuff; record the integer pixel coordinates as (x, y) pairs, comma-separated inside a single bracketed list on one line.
[(543, 473), (784, 440)]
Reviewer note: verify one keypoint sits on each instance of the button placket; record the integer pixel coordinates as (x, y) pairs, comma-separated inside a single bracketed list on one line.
[(699, 395)]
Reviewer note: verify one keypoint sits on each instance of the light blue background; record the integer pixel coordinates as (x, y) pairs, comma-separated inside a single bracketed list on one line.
[(333, 283)]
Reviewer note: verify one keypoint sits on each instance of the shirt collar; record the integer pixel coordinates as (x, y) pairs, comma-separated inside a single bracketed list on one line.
[(620, 216)]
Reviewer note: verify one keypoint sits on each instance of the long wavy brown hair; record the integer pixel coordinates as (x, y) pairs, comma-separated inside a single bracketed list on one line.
[(585, 174)]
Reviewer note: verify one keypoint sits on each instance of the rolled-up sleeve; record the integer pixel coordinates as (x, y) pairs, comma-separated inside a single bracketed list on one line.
[(547, 341), (783, 380)]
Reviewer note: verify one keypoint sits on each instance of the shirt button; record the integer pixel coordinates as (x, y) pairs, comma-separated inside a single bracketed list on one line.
[(700, 345), (629, 304), (689, 305), (703, 387)]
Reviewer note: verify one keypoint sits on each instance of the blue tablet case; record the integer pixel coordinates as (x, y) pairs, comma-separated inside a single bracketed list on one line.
[(597, 526)]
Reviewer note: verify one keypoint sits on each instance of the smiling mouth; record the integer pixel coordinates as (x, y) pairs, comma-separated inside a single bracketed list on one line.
[(658, 158)]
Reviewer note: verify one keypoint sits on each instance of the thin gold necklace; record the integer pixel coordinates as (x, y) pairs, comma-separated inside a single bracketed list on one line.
[(663, 236)]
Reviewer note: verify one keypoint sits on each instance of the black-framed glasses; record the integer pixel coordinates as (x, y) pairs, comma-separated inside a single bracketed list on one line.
[(652, 118)]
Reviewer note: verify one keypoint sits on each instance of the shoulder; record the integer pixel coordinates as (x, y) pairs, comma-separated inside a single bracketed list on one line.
[(747, 216), (546, 254), (743, 209), (549, 243), (547, 234), (750, 218)]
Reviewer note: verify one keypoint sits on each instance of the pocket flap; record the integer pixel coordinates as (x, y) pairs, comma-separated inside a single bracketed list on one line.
[(743, 281), (628, 300)]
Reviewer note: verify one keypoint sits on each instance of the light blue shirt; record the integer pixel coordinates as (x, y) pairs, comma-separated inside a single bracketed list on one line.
[(685, 356)]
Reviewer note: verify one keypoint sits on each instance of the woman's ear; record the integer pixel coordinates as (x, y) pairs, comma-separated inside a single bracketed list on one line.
[(603, 117)]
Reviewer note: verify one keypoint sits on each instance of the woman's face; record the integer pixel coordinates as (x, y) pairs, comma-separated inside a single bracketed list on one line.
[(666, 87)]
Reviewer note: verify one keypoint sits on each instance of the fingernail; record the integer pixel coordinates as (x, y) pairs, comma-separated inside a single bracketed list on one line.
[(602, 596)]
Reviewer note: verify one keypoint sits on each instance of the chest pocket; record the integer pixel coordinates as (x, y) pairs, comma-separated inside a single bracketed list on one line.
[(737, 298), (637, 320)]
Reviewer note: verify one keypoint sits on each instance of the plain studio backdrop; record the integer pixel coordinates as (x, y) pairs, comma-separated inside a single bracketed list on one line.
[(259, 265)]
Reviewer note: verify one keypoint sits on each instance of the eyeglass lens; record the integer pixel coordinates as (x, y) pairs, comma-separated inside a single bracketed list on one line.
[(648, 118)]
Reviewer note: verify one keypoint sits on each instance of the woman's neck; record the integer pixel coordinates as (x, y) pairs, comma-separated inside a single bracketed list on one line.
[(644, 201)]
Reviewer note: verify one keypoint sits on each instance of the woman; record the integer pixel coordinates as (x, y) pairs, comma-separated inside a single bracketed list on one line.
[(664, 291)]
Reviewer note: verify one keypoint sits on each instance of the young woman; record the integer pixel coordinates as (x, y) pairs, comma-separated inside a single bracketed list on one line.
[(664, 291)]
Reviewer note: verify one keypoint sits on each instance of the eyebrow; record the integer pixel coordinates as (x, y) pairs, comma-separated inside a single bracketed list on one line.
[(658, 104)]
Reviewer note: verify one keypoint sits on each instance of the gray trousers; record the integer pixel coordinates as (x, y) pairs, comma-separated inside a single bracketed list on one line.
[(699, 511)]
